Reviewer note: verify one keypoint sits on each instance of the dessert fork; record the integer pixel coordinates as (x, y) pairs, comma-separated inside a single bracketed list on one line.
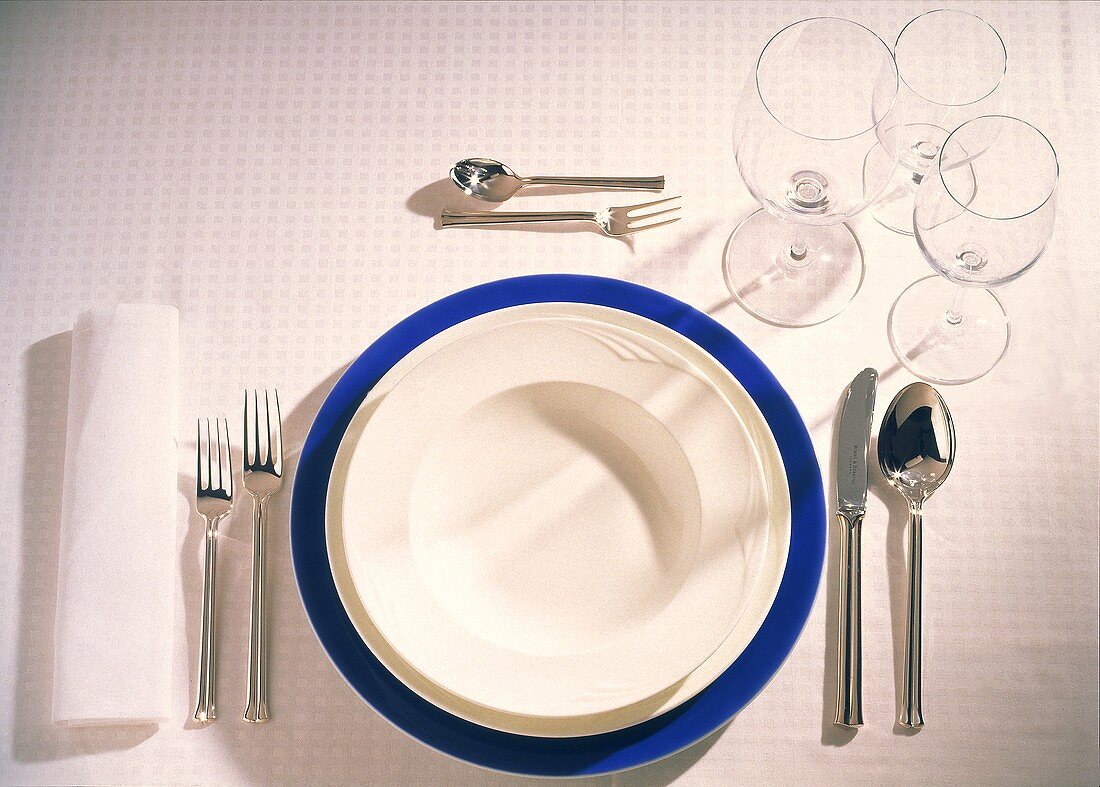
[(612, 221), (263, 476), (213, 500)]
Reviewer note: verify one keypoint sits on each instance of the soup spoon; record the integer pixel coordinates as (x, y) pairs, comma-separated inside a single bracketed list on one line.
[(492, 181), (916, 449)]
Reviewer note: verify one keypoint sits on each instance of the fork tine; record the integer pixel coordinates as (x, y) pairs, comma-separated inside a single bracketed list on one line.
[(228, 456), (218, 426), (655, 214), (255, 428), (631, 208), (256, 424), (278, 435), (267, 419), (632, 230), (198, 455), (244, 446), (254, 440), (209, 474)]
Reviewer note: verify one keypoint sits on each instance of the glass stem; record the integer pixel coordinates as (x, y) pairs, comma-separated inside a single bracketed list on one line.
[(953, 315), (799, 252)]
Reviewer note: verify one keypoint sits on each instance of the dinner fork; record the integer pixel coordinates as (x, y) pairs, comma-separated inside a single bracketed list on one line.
[(613, 221), (213, 500), (263, 475)]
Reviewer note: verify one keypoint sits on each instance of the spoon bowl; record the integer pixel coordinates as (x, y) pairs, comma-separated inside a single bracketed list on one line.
[(916, 449), (486, 179), (916, 444)]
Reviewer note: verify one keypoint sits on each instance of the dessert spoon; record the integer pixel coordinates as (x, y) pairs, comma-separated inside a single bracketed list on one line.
[(916, 449), (492, 181)]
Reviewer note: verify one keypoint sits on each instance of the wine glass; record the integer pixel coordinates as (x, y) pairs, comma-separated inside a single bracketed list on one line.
[(805, 122), (950, 66), (983, 217)]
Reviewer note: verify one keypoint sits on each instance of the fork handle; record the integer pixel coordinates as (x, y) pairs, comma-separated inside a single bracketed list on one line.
[(634, 184), (256, 709), (455, 218), (204, 707)]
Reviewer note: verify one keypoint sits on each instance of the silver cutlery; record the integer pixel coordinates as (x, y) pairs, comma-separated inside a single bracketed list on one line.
[(213, 501), (263, 476), (851, 494), (916, 449), (613, 221), (492, 181)]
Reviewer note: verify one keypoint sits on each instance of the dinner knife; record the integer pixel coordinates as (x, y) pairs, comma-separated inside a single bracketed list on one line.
[(851, 505)]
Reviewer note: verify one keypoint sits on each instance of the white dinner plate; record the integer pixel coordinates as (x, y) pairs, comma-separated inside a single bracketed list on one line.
[(586, 602)]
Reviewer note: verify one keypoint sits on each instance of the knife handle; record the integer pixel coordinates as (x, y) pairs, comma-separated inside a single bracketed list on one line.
[(849, 688)]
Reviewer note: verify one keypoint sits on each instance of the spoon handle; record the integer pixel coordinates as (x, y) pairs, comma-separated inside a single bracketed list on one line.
[(849, 688), (637, 184), (911, 715)]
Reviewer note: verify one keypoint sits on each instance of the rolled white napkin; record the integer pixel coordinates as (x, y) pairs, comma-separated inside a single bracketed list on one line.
[(117, 571)]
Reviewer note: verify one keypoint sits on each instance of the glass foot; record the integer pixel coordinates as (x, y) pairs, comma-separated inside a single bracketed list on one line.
[(792, 275), (936, 349)]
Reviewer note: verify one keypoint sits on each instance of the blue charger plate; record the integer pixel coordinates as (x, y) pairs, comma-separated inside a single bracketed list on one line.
[(594, 754)]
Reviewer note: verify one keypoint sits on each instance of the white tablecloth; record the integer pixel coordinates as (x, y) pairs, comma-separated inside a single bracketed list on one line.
[(272, 170)]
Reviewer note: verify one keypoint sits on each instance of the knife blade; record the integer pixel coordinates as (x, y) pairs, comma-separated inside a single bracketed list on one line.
[(855, 435), (851, 505)]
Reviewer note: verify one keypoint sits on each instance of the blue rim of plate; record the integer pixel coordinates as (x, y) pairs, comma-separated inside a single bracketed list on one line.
[(590, 755)]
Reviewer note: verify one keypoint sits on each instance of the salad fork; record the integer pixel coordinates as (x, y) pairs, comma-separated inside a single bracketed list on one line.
[(612, 221), (263, 476), (213, 500)]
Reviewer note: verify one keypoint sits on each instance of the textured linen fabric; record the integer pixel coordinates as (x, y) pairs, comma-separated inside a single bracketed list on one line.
[(272, 170), (113, 642)]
